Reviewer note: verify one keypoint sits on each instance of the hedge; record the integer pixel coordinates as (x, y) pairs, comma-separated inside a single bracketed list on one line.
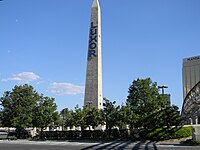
[(165, 134), (158, 134)]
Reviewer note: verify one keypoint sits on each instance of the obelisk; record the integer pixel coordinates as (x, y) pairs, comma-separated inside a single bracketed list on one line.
[(93, 85)]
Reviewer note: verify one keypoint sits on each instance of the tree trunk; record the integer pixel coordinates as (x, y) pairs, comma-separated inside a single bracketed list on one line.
[(41, 133)]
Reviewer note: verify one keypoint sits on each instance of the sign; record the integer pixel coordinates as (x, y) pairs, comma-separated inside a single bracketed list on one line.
[(191, 59), (92, 41)]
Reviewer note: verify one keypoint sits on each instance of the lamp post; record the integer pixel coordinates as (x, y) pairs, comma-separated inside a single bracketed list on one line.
[(163, 87), (88, 117), (167, 96), (89, 104)]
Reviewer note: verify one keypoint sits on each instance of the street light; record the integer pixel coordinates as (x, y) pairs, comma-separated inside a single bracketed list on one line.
[(163, 87), (89, 104)]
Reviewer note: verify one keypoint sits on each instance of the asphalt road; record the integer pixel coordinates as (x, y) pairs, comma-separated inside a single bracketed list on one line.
[(116, 145)]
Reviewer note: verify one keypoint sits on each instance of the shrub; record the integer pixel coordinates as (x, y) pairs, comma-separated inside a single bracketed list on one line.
[(165, 133), (86, 134), (98, 134), (175, 133), (156, 135), (191, 142), (183, 132), (115, 133), (124, 133), (61, 135)]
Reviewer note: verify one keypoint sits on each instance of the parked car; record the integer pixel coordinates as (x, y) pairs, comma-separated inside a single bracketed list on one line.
[(3, 134), (12, 135)]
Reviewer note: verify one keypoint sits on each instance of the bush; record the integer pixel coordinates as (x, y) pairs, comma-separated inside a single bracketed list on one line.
[(183, 132), (86, 134), (61, 135), (124, 133), (22, 134), (191, 142), (175, 133), (74, 134), (164, 133), (115, 133), (137, 134), (98, 134)]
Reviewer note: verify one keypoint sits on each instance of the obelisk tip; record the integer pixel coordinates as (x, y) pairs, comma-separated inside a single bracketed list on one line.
[(95, 3)]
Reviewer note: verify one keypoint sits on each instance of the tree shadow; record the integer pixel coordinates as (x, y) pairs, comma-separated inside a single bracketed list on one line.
[(119, 145), (145, 146), (122, 145), (99, 145)]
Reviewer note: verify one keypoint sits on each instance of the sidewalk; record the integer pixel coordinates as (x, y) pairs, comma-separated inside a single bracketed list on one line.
[(169, 143), (174, 141)]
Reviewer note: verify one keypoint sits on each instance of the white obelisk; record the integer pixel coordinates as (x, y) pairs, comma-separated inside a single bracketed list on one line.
[(93, 85)]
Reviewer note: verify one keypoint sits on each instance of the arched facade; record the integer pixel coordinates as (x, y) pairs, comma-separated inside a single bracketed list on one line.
[(191, 106)]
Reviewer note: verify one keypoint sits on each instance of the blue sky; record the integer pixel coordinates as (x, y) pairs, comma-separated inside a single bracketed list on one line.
[(44, 43)]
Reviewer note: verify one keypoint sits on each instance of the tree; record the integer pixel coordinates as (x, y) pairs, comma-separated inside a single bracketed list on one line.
[(144, 100), (1, 115), (79, 117), (154, 116), (6, 112), (18, 106), (125, 117), (67, 118), (23, 107), (87, 116), (45, 113), (94, 117), (110, 114), (171, 116)]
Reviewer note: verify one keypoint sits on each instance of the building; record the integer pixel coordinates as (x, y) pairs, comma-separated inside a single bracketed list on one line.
[(191, 90), (93, 85), (191, 73)]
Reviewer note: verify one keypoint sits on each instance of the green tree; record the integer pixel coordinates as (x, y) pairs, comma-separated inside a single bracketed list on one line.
[(144, 100), (154, 116), (45, 114), (67, 118), (162, 124), (17, 107), (79, 117), (110, 114), (126, 117), (171, 116), (1, 115), (87, 116), (6, 110), (94, 116)]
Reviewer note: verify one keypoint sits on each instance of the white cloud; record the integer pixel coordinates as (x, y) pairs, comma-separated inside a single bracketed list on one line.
[(40, 82), (65, 89), (23, 77)]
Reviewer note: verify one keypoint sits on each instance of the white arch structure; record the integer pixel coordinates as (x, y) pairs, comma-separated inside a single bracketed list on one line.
[(191, 106)]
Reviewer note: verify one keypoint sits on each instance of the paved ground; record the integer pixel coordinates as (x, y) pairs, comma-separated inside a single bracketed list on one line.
[(73, 145)]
